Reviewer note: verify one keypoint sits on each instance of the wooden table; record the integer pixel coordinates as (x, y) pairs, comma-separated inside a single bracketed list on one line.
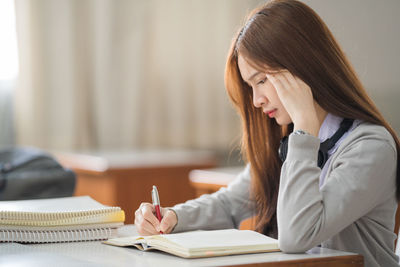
[(97, 254), (125, 178)]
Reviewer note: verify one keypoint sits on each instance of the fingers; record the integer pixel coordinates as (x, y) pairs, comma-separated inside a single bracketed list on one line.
[(277, 83), (283, 80), (169, 221), (145, 220), (300, 82), (281, 85), (287, 84), (147, 223), (148, 212)]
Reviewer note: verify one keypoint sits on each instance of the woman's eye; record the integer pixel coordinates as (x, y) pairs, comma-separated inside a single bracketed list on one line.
[(262, 81)]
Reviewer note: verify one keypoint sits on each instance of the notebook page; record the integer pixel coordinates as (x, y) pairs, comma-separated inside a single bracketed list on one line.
[(58, 220), (219, 238), (58, 211), (65, 204)]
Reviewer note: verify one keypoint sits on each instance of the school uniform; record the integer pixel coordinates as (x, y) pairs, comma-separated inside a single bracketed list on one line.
[(349, 205)]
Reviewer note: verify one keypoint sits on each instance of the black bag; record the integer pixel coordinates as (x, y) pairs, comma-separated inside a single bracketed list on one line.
[(28, 173)]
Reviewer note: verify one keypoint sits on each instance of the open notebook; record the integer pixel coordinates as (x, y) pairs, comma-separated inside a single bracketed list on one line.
[(58, 220), (197, 244)]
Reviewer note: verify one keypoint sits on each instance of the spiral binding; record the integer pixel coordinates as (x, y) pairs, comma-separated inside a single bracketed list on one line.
[(45, 216), (54, 219), (55, 236)]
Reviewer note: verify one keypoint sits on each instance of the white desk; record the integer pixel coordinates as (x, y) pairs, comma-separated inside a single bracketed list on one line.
[(97, 254)]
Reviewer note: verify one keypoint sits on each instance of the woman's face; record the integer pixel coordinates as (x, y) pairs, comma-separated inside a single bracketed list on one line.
[(264, 93)]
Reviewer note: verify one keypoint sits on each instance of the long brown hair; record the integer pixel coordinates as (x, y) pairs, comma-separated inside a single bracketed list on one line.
[(287, 34)]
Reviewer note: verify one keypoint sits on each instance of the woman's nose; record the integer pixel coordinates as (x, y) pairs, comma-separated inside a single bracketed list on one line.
[(258, 98)]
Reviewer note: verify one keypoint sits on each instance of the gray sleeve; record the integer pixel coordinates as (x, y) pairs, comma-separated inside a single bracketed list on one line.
[(361, 176), (225, 208)]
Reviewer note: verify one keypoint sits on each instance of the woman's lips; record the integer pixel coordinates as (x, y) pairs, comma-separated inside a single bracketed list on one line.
[(271, 113)]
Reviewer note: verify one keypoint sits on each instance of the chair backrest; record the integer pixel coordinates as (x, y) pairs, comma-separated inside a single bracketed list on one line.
[(396, 229)]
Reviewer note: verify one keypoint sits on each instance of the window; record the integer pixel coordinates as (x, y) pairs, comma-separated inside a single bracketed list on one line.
[(8, 70), (8, 41)]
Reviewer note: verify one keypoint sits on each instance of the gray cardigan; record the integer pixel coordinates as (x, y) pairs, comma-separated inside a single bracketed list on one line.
[(353, 211)]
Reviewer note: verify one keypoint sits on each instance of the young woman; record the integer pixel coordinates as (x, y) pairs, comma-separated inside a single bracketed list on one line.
[(335, 180)]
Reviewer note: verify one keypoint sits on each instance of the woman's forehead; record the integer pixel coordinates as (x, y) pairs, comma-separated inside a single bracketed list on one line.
[(248, 67)]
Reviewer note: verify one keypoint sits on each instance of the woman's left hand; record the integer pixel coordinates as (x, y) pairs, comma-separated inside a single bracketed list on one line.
[(297, 98)]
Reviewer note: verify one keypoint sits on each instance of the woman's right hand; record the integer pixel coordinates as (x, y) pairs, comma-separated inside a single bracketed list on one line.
[(147, 223)]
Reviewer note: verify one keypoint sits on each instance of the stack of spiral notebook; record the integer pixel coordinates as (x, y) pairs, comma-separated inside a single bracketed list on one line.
[(58, 220)]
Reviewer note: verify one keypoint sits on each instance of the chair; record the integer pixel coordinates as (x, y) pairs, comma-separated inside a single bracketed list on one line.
[(396, 230)]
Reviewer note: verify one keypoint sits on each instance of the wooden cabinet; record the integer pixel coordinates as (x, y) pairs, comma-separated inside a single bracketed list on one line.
[(125, 179)]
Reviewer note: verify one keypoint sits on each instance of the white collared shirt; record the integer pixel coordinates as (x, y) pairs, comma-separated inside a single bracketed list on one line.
[(328, 128)]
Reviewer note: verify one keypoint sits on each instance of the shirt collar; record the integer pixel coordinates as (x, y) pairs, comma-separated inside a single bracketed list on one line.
[(330, 125)]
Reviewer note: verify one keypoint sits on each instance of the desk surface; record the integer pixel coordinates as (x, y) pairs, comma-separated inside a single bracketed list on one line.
[(97, 254)]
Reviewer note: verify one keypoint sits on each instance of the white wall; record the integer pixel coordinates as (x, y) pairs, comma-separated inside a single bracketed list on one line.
[(369, 32), (7, 136), (8, 71)]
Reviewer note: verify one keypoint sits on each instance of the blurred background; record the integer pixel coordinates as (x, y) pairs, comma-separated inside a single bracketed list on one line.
[(130, 74), (148, 75)]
